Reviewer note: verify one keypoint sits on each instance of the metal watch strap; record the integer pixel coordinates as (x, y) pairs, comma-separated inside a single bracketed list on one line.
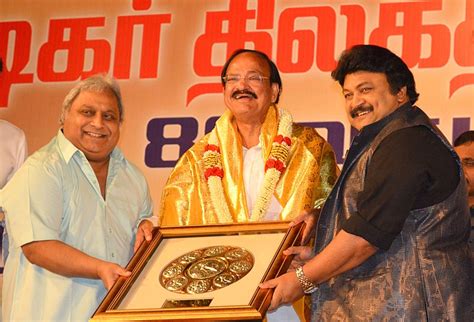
[(308, 286)]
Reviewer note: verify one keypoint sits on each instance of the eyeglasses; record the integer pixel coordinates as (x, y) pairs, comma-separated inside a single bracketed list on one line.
[(252, 79), (469, 163)]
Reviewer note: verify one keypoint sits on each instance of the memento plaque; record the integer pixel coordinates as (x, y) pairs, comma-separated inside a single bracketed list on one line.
[(202, 273)]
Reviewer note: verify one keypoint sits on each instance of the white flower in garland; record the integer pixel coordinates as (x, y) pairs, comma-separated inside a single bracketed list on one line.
[(274, 166)]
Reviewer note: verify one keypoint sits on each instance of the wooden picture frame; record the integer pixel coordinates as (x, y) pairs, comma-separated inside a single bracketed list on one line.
[(144, 295)]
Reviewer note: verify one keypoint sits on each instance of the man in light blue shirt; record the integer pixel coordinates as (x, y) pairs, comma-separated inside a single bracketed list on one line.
[(72, 212)]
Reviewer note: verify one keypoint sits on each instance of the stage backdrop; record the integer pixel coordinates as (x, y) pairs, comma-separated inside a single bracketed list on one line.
[(167, 56)]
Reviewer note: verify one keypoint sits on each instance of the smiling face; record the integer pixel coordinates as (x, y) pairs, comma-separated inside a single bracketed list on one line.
[(368, 98), (92, 124), (249, 100)]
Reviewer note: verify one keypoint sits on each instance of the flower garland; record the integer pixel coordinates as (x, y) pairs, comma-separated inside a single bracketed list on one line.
[(274, 166), (214, 174)]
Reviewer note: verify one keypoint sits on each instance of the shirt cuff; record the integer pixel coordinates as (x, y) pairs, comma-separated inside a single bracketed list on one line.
[(153, 219), (359, 226)]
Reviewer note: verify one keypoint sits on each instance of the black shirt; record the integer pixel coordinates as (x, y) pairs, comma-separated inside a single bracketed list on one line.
[(410, 169)]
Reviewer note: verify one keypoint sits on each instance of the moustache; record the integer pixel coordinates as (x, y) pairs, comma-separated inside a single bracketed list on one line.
[(243, 92), (361, 109)]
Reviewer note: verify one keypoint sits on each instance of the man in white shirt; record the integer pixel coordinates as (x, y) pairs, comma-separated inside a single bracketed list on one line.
[(72, 212)]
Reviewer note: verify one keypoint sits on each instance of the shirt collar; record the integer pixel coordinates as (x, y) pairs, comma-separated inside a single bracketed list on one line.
[(66, 148), (255, 147)]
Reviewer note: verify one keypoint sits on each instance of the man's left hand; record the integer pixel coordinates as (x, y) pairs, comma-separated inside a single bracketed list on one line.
[(302, 255), (144, 232), (110, 272), (287, 289)]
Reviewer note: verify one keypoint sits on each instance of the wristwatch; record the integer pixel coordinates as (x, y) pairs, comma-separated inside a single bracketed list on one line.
[(308, 286)]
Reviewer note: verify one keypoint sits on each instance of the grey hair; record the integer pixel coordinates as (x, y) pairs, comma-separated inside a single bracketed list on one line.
[(98, 84)]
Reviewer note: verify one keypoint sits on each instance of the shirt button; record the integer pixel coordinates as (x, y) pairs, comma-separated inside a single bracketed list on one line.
[(113, 255), (110, 230)]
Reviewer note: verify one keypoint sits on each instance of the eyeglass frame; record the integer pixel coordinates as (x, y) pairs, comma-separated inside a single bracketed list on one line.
[(260, 79)]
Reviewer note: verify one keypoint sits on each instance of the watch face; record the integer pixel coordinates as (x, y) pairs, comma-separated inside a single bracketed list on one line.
[(206, 269)]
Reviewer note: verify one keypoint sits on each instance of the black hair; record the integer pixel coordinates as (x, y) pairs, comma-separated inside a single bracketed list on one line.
[(377, 59), (274, 74), (464, 138)]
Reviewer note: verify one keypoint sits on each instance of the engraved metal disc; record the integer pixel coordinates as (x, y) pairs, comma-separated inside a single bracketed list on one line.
[(224, 280), (190, 257), (173, 270), (241, 266), (198, 286), (176, 283), (206, 269), (236, 253), (215, 251)]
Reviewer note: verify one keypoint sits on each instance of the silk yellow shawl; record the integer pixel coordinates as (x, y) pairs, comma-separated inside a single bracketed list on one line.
[(310, 174)]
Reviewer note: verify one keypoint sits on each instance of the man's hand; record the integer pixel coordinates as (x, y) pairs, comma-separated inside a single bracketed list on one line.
[(310, 219), (287, 289), (302, 255), (109, 272), (143, 233)]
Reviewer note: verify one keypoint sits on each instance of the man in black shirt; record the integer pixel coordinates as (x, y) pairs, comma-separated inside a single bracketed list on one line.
[(391, 240), (464, 147)]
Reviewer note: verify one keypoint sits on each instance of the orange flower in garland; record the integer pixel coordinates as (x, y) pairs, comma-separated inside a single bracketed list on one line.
[(280, 139), (279, 153), (214, 171), (275, 164), (212, 147)]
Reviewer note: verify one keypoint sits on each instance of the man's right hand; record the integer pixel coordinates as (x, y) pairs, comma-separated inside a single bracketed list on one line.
[(310, 219)]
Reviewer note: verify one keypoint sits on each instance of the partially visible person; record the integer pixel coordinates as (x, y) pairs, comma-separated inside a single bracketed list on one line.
[(13, 152), (464, 147), (256, 164), (392, 238), (13, 148), (72, 211)]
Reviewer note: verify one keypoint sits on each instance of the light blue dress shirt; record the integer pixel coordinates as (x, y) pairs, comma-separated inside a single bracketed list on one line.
[(56, 196)]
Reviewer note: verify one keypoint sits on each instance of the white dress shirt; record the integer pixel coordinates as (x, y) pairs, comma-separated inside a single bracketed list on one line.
[(254, 167)]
